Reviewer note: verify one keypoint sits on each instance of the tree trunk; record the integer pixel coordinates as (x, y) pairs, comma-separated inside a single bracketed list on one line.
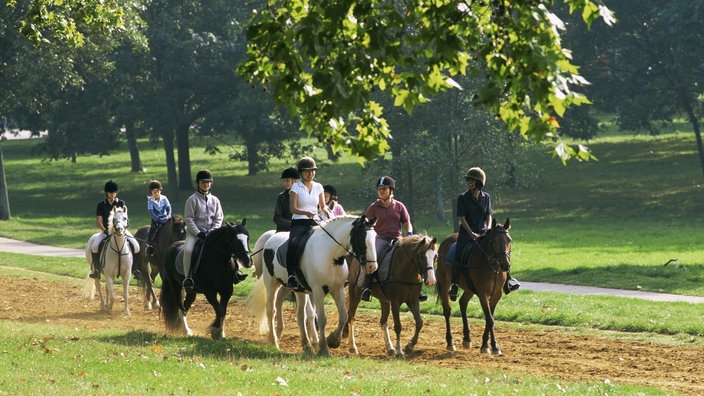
[(252, 158), (167, 138), (184, 158), (695, 124), (135, 161), (4, 196)]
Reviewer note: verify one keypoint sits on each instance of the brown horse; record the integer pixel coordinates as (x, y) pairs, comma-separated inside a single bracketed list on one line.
[(484, 276), (412, 261), (172, 231)]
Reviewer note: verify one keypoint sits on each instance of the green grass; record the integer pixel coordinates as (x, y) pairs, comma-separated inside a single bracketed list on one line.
[(39, 358)]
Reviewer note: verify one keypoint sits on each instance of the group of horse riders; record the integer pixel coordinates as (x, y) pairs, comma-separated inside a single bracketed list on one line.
[(297, 209)]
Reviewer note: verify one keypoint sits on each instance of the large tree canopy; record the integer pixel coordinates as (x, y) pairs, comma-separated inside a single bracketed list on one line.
[(323, 60)]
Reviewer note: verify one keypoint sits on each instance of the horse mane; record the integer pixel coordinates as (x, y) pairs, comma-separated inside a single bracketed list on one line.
[(177, 219)]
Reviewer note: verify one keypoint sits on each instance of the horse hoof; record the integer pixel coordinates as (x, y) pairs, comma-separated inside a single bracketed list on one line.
[(484, 350), (333, 342), (409, 349), (497, 352), (354, 350), (467, 344), (400, 355), (391, 352)]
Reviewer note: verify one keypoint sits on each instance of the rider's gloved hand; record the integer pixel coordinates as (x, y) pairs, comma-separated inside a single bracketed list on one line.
[(202, 234), (106, 232)]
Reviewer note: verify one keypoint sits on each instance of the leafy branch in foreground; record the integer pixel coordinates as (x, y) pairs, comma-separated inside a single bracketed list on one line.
[(325, 61)]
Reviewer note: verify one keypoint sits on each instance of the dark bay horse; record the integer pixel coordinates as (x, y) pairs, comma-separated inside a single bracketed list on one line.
[(172, 231), (484, 276), (412, 261), (213, 277)]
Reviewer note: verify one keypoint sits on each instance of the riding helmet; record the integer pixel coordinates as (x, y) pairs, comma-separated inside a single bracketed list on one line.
[(306, 163), (330, 189), (155, 184), (290, 173), (386, 181), (477, 174), (204, 174), (111, 186)]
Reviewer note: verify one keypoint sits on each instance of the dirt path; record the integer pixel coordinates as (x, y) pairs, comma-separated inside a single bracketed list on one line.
[(541, 352)]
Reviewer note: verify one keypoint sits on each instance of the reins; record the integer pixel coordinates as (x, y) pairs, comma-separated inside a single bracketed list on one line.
[(363, 262)]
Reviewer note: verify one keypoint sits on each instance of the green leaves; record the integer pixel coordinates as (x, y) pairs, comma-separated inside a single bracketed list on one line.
[(345, 51)]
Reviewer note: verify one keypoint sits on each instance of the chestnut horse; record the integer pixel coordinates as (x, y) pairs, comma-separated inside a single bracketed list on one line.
[(483, 276)]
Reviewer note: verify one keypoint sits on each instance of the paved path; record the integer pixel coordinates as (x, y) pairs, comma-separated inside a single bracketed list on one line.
[(14, 246)]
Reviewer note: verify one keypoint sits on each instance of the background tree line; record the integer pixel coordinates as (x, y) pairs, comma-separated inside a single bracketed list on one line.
[(170, 74)]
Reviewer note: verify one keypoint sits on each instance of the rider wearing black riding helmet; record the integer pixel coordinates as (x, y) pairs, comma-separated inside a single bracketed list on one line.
[(282, 211), (102, 214), (202, 214), (474, 211)]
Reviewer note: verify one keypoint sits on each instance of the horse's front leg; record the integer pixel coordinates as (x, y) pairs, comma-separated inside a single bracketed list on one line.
[(109, 292), (414, 307), (464, 301), (217, 330), (311, 322), (281, 296), (126, 291), (395, 311), (489, 331), (335, 337), (301, 302), (98, 287), (384, 322), (318, 297)]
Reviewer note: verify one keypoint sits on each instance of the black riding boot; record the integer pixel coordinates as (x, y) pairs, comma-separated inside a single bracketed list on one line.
[(454, 288), (367, 292), (95, 274), (238, 277), (511, 284)]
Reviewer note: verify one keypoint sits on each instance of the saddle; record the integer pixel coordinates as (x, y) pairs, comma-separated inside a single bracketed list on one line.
[(282, 251), (466, 255), (383, 272), (195, 258)]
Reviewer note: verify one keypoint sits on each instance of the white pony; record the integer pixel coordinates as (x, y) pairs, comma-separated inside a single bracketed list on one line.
[(325, 271), (116, 257)]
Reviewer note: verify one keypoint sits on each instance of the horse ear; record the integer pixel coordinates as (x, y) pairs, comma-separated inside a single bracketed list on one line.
[(244, 222), (493, 222), (372, 221), (507, 224)]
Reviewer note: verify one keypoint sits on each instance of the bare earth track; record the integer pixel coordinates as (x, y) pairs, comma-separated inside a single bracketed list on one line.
[(537, 352)]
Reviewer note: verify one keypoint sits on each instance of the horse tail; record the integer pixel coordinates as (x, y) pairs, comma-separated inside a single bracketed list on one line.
[(256, 305), (89, 288), (170, 296)]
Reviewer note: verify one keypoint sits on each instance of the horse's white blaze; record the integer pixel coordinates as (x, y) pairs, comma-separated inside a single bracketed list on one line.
[(430, 255)]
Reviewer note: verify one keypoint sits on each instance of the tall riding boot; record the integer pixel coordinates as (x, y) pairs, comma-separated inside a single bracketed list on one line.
[(136, 273), (95, 273), (511, 284), (367, 292), (454, 288), (238, 276)]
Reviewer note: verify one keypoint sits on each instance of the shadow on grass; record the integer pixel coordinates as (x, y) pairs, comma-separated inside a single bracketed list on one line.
[(196, 346)]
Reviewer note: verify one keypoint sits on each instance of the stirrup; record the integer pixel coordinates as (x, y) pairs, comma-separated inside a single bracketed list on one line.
[(239, 277), (137, 274), (511, 285), (95, 274), (422, 297), (454, 291), (188, 283), (366, 295), (292, 282)]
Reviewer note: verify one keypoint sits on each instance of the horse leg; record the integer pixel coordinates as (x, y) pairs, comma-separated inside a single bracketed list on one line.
[(126, 291), (98, 287), (383, 322), (464, 301), (414, 307), (311, 325), (301, 302), (217, 331), (488, 330), (190, 298), (271, 309), (353, 301), (335, 337), (281, 295), (109, 292), (318, 297), (395, 308)]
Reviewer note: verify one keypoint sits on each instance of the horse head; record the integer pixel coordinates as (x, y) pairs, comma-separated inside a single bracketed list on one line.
[(118, 221), (178, 227), (499, 245), (239, 242), (363, 242)]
